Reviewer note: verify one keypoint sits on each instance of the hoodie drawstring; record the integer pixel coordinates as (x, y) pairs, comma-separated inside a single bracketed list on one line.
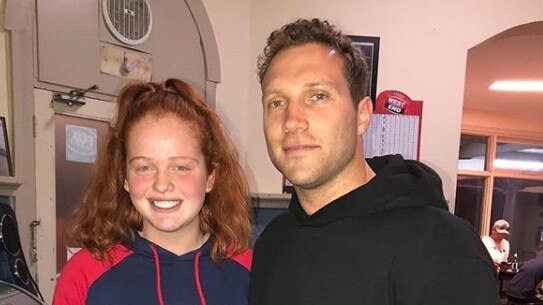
[(196, 277)]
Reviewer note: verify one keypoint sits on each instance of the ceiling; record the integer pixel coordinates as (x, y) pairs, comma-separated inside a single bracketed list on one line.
[(515, 54)]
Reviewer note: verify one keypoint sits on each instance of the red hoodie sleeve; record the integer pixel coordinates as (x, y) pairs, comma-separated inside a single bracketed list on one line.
[(80, 272), (245, 259)]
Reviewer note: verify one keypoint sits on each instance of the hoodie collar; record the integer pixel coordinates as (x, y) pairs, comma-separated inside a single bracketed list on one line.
[(397, 184), (142, 247), (159, 255)]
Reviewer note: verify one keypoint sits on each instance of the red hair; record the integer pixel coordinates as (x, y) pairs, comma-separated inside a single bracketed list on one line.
[(107, 217)]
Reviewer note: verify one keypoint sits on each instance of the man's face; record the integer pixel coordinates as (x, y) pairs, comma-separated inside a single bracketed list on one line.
[(311, 126), (497, 235)]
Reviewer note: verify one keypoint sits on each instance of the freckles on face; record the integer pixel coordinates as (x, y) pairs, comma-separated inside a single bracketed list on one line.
[(166, 175)]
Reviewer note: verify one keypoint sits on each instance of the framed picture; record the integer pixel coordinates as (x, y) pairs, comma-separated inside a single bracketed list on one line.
[(5, 157), (370, 48)]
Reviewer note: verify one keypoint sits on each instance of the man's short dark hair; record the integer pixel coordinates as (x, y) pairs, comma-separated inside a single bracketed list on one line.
[(304, 31)]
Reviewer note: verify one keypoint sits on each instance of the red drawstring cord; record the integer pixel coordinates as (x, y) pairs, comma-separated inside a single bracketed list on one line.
[(196, 277), (158, 284)]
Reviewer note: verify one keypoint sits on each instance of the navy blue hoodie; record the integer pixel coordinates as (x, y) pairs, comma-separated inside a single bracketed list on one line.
[(148, 274)]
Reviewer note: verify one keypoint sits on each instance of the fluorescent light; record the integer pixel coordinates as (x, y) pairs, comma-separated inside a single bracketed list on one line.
[(472, 164), (532, 150), (517, 85), (518, 165)]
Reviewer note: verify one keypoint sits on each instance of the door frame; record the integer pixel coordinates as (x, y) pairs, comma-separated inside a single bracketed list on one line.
[(45, 109)]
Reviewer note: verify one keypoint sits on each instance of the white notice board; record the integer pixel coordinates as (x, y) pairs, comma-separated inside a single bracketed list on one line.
[(395, 126)]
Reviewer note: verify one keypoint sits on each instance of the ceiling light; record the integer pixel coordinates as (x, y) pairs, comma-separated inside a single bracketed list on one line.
[(517, 85), (518, 165), (533, 150)]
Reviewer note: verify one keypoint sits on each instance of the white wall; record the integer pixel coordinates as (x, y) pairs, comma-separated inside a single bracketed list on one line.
[(423, 54), (230, 22), (5, 109)]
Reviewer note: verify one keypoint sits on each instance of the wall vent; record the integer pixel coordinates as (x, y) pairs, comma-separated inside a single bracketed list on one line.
[(129, 21)]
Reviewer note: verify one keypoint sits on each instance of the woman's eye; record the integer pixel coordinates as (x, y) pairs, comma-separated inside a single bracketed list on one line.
[(144, 169), (181, 168)]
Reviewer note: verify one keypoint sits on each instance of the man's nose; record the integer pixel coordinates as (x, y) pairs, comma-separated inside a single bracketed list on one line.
[(295, 117)]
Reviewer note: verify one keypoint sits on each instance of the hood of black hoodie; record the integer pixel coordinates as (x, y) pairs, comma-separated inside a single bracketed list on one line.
[(398, 184)]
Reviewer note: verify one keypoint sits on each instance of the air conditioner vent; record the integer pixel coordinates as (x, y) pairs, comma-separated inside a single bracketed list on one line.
[(130, 21)]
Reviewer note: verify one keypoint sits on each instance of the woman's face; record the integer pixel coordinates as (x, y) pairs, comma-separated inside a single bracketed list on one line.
[(166, 176)]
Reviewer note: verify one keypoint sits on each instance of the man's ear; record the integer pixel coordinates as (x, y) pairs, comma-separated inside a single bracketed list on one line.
[(363, 114)]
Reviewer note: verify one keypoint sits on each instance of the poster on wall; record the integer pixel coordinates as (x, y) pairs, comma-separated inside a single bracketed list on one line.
[(395, 126)]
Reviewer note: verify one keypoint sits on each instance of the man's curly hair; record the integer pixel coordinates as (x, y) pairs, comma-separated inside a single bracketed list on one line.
[(304, 31)]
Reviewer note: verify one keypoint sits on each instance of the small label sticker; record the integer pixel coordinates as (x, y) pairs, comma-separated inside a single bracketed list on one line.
[(81, 144)]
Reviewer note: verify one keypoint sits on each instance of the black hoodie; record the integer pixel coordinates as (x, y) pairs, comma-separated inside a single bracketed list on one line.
[(390, 241)]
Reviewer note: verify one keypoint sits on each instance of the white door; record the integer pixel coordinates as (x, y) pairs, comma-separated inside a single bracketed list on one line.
[(67, 140)]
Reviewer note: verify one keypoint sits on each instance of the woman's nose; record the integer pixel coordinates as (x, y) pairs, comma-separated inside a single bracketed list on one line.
[(163, 182)]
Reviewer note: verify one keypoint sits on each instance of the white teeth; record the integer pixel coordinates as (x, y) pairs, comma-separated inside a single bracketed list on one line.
[(165, 204)]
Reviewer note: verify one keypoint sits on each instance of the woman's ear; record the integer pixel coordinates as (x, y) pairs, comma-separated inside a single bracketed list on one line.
[(210, 182), (126, 186)]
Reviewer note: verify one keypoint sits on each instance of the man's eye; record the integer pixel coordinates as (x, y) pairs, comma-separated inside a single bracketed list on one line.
[(318, 97), (275, 104)]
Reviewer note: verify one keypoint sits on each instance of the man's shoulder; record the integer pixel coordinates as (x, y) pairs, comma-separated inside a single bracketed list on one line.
[(486, 238), (455, 238), (277, 228), (455, 227), (488, 241), (438, 228), (279, 222), (425, 216)]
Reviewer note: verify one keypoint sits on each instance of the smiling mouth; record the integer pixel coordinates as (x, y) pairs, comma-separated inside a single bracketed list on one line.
[(166, 204)]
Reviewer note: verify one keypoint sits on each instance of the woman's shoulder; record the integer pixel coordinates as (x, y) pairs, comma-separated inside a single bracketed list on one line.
[(84, 266), (81, 270), (81, 261), (244, 258)]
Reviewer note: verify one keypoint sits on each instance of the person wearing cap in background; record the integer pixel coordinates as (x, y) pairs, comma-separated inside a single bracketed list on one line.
[(497, 245)]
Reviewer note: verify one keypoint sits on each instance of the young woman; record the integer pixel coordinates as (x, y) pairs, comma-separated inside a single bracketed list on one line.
[(166, 216)]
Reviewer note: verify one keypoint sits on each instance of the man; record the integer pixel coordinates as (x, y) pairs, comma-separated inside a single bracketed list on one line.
[(526, 282), (496, 244), (356, 232)]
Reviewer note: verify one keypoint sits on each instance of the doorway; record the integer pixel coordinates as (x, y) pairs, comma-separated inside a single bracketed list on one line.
[(68, 139)]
